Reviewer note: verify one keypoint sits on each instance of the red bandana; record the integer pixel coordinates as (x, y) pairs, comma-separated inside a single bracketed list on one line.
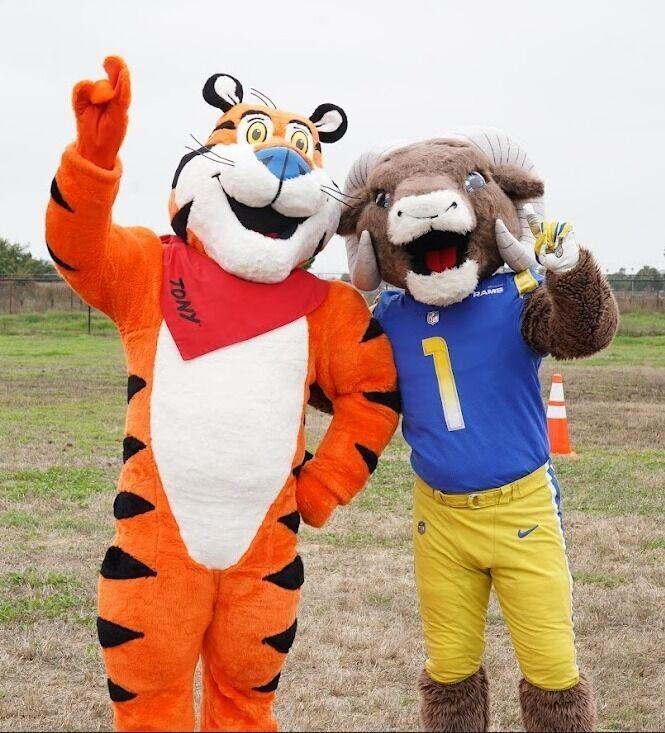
[(206, 308)]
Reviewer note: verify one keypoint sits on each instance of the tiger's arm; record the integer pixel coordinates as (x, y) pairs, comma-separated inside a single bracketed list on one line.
[(354, 369), (104, 263)]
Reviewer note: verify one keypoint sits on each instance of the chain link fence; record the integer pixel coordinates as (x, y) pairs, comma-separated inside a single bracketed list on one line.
[(44, 294), (37, 295)]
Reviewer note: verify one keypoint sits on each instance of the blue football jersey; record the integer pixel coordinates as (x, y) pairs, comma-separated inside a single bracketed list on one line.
[(472, 411)]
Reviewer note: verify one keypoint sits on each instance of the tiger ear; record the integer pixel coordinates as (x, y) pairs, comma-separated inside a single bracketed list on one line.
[(330, 122), (222, 91)]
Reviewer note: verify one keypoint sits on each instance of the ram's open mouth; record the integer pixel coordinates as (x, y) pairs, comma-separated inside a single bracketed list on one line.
[(437, 251), (265, 220)]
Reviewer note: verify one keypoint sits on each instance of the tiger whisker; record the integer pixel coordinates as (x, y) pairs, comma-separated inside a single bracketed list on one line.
[(260, 95), (210, 155), (341, 193), (212, 160), (212, 152), (339, 201)]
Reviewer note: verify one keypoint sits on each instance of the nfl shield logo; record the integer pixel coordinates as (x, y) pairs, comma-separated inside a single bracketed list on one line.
[(433, 318)]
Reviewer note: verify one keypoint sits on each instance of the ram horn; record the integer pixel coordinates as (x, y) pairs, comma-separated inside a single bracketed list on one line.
[(363, 267), (517, 255), (500, 148)]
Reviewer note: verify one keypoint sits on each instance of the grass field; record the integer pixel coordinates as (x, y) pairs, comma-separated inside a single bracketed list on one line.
[(359, 649)]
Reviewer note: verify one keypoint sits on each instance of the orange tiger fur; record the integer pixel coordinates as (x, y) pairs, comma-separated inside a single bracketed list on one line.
[(160, 609)]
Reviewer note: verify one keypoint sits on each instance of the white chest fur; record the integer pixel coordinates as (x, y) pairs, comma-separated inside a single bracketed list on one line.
[(224, 432)]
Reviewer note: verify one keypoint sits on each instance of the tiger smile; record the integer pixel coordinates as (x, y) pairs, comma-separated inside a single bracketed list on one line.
[(264, 220)]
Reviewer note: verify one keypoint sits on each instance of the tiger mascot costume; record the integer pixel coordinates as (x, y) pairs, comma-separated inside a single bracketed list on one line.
[(225, 337)]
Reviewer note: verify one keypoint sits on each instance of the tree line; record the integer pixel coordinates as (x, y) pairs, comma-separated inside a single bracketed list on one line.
[(16, 260), (645, 279)]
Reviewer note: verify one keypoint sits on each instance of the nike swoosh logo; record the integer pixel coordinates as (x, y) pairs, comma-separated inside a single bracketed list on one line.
[(522, 533)]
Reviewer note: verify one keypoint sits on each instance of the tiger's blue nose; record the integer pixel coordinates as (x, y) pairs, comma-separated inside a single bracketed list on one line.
[(283, 163)]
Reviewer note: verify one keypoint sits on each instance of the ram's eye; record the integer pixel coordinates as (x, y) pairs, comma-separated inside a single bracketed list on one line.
[(300, 141), (257, 132), (382, 199), (474, 181)]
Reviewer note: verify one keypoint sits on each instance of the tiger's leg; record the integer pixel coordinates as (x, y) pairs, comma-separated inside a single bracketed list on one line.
[(155, 604), (254, 626)]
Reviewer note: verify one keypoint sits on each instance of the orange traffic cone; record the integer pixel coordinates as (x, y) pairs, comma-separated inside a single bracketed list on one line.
[(557, 422)]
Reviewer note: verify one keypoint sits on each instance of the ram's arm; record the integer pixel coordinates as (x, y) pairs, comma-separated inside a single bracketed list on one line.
[(354, 369), (573, 314), (104, 263)]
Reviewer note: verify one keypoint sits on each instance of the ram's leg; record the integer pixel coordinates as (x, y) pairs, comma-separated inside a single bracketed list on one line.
[(450, 551), (534, 587), (253, 628), (153, 613)]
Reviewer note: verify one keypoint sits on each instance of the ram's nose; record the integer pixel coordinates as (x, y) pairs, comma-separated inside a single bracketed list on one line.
[(283, 162)]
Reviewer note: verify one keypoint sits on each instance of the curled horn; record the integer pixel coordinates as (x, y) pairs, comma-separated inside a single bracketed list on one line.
[(363, 267), (500, 148)]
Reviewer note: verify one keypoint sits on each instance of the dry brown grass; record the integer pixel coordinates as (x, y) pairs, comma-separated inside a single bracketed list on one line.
[(359, 646)]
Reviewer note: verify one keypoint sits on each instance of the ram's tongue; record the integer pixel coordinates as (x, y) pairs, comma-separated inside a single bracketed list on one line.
[(438, 260)]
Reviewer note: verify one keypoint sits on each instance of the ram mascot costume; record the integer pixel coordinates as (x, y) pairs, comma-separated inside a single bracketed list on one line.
[(224, 335), (440, 219)]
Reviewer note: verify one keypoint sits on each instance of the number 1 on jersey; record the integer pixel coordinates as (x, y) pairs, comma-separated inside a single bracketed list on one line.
[(437, 348)]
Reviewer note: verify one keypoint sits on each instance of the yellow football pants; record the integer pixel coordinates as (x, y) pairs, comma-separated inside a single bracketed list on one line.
[(508, 537)]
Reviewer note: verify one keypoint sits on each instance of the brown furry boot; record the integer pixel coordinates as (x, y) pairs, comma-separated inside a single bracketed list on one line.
[(569, 710), (463, 706)]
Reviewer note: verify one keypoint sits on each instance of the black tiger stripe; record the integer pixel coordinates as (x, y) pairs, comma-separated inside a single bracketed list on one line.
[(373, 330), (320, 245), (183, 162), (127, 505), (226, 125), (120, 565), (111, 634), (58, 197), (130, 447), (297, 469), (58, 261), (179, 221), (387, 399), (270, 686), (119, 694), (292, 521), (369, 456), (134, 384), (283, 641), (318, 400), (290, 577)]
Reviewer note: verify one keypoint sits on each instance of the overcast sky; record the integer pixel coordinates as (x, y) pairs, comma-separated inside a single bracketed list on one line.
[(579, 84)]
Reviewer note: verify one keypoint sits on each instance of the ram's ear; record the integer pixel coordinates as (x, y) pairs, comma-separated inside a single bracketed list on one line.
[(516, 183), (222, 91), (330, 122)]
